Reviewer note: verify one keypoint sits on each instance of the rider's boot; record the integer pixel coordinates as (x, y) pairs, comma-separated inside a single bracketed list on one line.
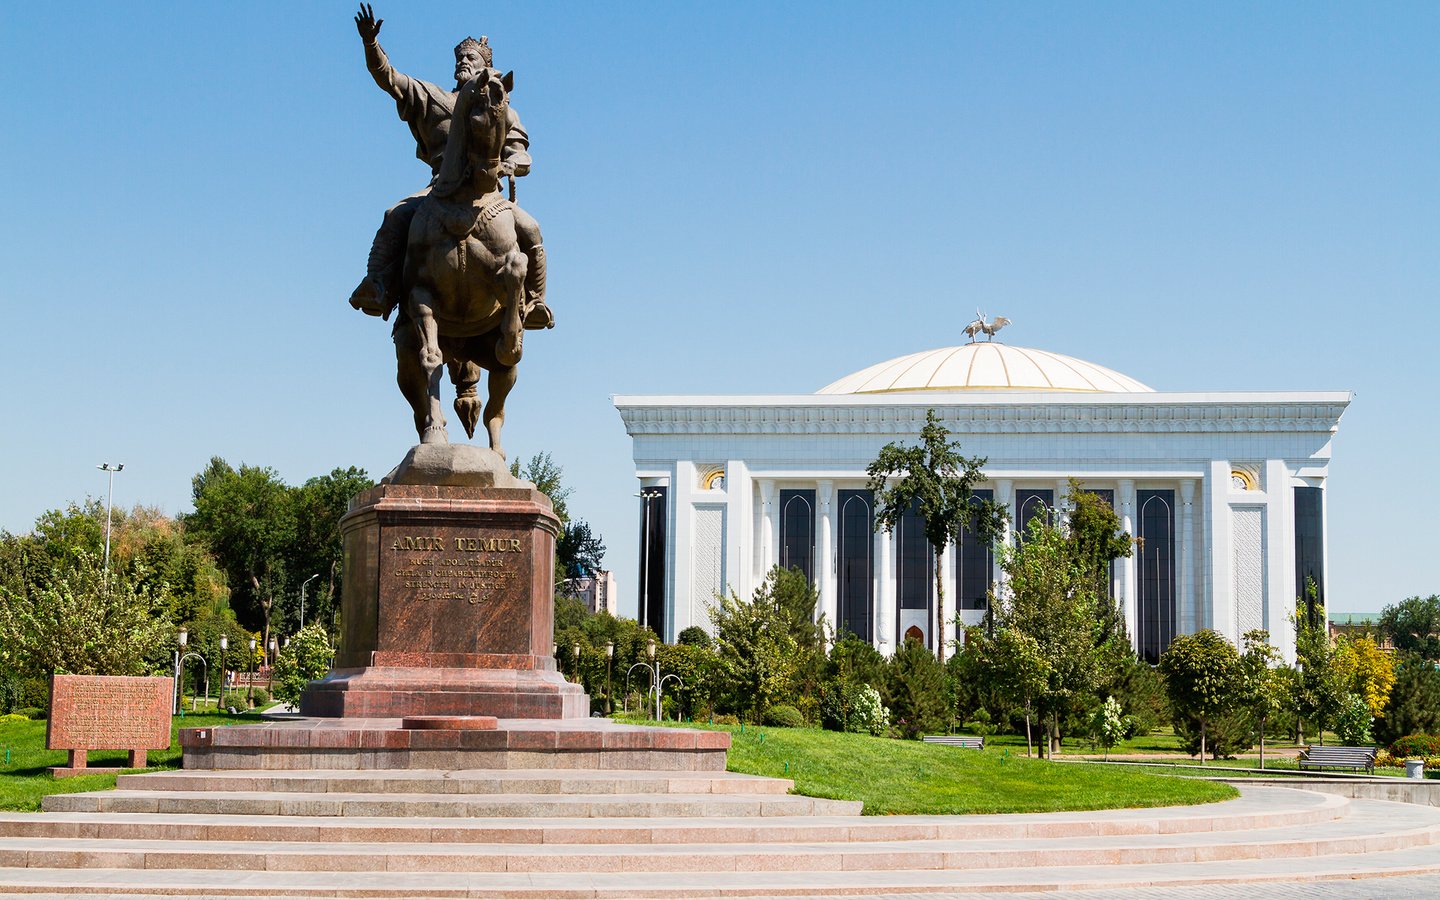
[(370, 296), (539, 315)]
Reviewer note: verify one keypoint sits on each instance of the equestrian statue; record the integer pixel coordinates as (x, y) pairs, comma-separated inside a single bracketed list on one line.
[(464, 265)]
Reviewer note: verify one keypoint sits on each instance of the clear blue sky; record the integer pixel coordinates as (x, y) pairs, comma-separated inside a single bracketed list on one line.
[(736, 197)]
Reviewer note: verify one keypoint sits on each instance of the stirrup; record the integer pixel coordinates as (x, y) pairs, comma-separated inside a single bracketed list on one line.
[(539, 317)]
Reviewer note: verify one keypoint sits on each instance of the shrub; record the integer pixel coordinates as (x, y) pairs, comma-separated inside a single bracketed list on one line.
[(235, 699), (13, 717), (1352, 725), (837, 705), (870, 715), (695, 636), (261, 696), (306, 658), (1415, 746), (31, 712), (915, 687), (783, 715), (981, 725), (727, 719), (1226, 734)]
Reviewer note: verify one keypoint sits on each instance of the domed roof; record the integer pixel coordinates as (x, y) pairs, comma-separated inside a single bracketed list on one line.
[(984, 366)]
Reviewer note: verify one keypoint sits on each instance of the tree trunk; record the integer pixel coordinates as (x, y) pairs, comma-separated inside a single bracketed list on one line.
[(1202, 740), (939, 607), (1262, 743), (1054, 733), (1029, 744)]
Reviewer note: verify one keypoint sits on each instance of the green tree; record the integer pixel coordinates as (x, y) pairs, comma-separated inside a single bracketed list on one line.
[(319, 504), (934, 479), (1321, 688), (80, 622), (1413, 706), (770, 645), (1016, 663), (246, 517), (915, 691), (305, 659), (1413, 625), (546, 475), (1107, 725), (1051, 598), (1096, 540), (1262, 687), (578, 551), (1202, 673)]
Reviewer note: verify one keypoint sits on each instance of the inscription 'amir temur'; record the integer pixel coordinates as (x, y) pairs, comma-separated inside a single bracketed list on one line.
[(426, 543)]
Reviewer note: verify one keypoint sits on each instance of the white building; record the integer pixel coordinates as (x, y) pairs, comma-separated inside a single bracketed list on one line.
[(1227, 491)]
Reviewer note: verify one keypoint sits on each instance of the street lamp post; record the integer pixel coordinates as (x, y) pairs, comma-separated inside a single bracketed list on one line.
[(657, 680), (224, 672), (270, 673), (576, 649), (609, 661), (109, 503), (302, 597), (250, 685), (181, 640), (646, 498)]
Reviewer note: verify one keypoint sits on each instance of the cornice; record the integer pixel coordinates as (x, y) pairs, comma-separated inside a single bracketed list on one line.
[(658, 416)]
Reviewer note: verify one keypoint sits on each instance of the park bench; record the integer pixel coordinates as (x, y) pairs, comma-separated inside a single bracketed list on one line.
[(956, 740), (1317, 757)]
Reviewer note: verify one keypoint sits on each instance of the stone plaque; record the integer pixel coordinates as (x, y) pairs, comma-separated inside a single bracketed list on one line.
[(453, 565), (108, 712)]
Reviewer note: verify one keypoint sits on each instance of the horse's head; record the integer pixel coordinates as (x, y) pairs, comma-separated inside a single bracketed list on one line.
[(477, 133)]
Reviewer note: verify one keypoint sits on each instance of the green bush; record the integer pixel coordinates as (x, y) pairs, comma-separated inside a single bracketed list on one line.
[(783, 715), (1416, 746), (727, 719), (261, 696), (1227, 734), (30, 712), (870, 715), (837, 705), (695, 636), (304, 659), (13, 717), (1352, 724), (235, 699), (915, 689)]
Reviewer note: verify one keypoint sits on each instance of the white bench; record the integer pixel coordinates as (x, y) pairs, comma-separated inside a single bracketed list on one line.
[(969, 742)]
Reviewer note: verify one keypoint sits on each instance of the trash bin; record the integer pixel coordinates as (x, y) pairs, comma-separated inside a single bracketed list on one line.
[(1414, 768)]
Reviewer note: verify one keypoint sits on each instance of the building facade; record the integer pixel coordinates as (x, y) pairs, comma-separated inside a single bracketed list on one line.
[(1225, 492)]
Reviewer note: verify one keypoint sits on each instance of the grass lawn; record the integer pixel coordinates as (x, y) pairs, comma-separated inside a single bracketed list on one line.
[(909, 777), (24, 760)]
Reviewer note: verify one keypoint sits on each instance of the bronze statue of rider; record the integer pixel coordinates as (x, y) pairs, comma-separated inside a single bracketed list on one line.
[(427, 109)]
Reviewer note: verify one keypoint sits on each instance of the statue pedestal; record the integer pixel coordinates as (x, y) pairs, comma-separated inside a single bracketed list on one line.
[(448, 607)]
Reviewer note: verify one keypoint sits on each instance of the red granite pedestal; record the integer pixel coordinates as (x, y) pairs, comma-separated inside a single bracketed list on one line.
[(448, 608)]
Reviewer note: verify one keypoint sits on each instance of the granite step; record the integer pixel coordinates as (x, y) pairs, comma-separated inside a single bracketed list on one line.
[(1266, 875), (478, 781), (298, 803), (1272, 810), (1369, 827)]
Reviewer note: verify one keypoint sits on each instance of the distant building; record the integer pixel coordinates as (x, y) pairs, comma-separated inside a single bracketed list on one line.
[(598, 591), (1225, 490), (1359, 624)]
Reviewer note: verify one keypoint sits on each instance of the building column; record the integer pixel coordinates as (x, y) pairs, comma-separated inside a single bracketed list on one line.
[(1004, 493), (1062, 501), (950, 632), (739, 534), (1221, 613), (1189, 611), (1280, 588), (825, 551), (769, 511), (885, 592), (680, 603), (1128, 591)]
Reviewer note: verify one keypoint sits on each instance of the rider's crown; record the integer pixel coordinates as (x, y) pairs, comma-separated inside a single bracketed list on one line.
[(482, 45)]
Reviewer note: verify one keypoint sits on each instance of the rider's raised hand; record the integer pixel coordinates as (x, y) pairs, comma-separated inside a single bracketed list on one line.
[(367, 24)]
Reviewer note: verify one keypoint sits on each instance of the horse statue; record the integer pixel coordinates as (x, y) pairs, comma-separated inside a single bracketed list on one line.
[(980, 326), (463, 287)]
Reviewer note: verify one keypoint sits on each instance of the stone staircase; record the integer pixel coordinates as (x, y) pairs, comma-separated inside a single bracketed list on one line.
[(517, 833)]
